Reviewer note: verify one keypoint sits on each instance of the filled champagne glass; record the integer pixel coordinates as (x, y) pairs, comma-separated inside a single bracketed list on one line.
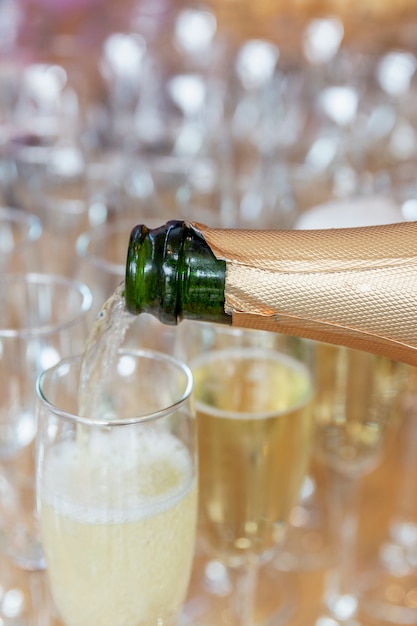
[(117, 493), (253, 405)]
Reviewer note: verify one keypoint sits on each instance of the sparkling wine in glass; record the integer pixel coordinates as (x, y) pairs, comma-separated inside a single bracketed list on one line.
[(253, 404), (117, 491)]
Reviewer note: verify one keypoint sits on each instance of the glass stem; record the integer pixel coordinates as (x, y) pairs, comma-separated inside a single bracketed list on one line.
[(244, 594), (41, 604), (344, 492), (407, 493), (403, 526)]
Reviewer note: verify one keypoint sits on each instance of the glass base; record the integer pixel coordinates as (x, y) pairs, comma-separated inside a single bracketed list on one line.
[(337, 608), (389, 598), (209, 599), (327, 619), (389, 584), (306, 545), (342, 611)]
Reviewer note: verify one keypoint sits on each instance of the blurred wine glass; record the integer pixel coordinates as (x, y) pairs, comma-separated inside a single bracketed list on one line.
[(20, 240), (43, 317), (355, 404), (389, 575)]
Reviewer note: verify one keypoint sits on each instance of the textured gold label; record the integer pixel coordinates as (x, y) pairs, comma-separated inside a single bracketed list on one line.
[(355, 287)]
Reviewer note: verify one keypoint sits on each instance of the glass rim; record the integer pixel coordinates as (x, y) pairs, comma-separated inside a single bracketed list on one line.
[(137, 419), (20, 216), (251, 353), (35, 278)]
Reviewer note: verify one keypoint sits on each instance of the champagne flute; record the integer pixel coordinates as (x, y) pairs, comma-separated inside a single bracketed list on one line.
[(43, 318), (355, 402), (253, 404), (388, 592), (353, 407), (116, 490)]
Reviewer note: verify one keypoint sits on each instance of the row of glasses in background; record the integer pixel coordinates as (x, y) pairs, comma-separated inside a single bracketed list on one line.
[(43, 317), (272, 130), (193, 119), (170, 86), (184, 122)]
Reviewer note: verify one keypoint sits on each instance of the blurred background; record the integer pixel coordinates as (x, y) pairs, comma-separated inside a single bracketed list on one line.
[(262, 114)]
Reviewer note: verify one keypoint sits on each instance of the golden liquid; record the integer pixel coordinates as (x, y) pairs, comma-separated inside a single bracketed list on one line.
[(119, 552), (354, 402), (255, 430)]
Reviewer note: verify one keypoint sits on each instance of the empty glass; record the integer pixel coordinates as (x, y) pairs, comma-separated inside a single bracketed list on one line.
[(388, 591), (42, 319), (355, 405)]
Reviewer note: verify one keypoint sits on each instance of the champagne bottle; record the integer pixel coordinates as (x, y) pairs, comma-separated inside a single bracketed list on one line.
[(355, 287)]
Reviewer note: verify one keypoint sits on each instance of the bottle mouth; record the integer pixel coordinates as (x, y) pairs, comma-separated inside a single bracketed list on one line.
[(137, 237), (152, 270), (172, 273)]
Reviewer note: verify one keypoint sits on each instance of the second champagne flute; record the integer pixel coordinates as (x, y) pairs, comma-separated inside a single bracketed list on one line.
[(356, 404), (253, 400)]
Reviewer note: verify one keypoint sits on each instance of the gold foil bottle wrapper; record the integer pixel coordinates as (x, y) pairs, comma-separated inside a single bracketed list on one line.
[(355, 287)]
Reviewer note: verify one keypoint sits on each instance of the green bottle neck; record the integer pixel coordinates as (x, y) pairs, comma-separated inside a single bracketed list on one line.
[(172, 274)]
